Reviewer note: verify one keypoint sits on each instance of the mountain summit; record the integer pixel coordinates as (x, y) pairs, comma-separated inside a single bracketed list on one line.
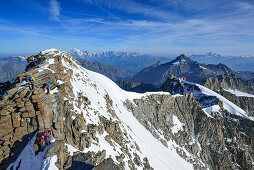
[(96, 124), (182, 66)]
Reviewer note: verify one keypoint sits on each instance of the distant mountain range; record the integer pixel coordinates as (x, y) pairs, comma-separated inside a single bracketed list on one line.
[(182, 66), (125, 60), (239, 63), (136, 62), (115, 65), (11, 66)]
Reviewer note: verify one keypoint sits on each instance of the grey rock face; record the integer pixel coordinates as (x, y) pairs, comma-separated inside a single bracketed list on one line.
[(231, 81), (107, 164), (222, 142)]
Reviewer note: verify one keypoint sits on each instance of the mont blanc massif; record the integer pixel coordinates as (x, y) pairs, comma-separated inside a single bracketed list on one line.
[(114, 111)]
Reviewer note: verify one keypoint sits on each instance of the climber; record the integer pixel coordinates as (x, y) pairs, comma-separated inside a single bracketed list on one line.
[(32, 80), (48, 87), (47, 133), (41, 142)]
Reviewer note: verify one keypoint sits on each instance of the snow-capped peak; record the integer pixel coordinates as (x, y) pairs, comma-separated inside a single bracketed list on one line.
[(51, 50)]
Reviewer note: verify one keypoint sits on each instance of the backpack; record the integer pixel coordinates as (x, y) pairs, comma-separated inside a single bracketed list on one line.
[(46, 134), (41, 139), (32, 79), (29, 78), (48, 84)]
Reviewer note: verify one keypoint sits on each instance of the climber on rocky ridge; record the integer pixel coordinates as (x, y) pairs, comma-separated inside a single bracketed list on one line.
[(47, 133), (32, 80), (48, 87), (41, 143)]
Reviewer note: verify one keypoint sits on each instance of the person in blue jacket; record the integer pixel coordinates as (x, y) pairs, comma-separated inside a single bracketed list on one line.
[(48, 87)]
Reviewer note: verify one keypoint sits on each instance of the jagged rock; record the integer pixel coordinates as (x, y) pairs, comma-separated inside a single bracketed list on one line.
[(107, 164), (137, 160), (30, 59), (146, 164), (99, 157), (120, 158)]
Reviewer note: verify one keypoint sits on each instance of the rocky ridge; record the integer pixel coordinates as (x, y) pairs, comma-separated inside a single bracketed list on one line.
[(218, 133), (222, 84)]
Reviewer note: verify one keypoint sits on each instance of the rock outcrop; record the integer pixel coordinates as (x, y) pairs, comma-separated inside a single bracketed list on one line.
[(230, 81)]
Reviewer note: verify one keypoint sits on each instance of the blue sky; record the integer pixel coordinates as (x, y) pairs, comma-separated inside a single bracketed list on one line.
[(158, 27)]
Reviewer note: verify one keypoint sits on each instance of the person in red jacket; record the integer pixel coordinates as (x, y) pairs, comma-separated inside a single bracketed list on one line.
[(41, 141), (47, 133)]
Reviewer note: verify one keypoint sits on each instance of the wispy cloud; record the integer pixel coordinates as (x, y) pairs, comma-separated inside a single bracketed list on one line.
[(54, 9), (133, 7)]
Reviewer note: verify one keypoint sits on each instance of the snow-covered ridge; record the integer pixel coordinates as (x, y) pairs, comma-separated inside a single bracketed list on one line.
[(239, 93), (205, 97), (228, 105)]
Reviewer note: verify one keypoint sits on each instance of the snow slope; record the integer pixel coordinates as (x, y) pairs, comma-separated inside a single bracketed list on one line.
[(95, 87)]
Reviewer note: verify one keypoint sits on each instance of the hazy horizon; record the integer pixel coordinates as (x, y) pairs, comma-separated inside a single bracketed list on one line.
[(141, 53)]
